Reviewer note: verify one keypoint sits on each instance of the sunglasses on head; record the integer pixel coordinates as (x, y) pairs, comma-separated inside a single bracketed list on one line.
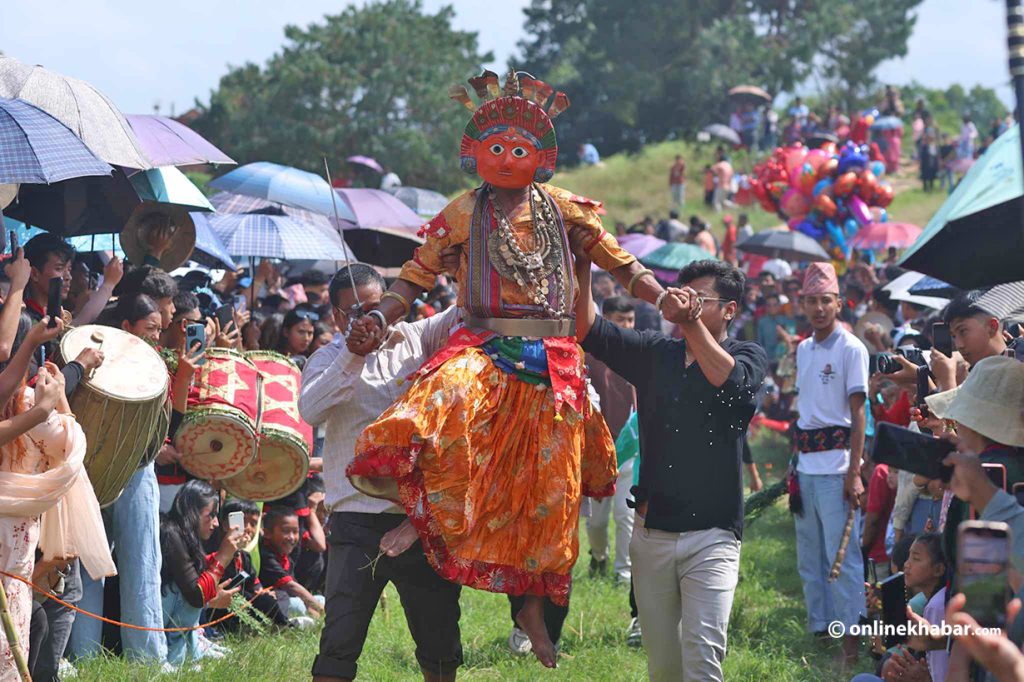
[(308, 315)]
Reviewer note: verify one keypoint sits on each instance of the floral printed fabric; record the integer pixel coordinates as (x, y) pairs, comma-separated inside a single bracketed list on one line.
[(490, 473)]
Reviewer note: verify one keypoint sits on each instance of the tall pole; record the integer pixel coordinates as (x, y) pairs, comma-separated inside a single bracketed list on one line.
[(1015, 43)]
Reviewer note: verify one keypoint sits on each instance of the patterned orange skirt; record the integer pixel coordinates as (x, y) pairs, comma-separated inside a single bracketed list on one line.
[(490, 477)]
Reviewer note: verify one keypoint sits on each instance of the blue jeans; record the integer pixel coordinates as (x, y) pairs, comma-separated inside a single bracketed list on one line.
[(178, 613), (819, 532), (133, 526)]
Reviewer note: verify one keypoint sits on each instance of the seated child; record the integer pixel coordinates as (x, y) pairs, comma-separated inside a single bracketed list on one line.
[(279, 539)]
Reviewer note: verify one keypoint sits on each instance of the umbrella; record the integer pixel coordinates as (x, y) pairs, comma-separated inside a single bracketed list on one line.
[(723, 132), (1004, 301), (749, 94), (86, 205), (640, 245), (258, 235), (79, 106), (887, 123), (975, 238), (929, 286), (425, 202), (284, 185), (229, 202), (38, 148), (169, 186), (669, 259), (788, 245), (899, 290), (384, 231), (170, 143), (367, 161), (876, 236), (817, 138)]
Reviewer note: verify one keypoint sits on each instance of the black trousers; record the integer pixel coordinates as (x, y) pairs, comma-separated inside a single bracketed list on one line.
[(354, 585)]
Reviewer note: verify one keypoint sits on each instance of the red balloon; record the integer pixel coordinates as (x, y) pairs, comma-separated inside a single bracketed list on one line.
[(828, 169), (884, 195), (825, 205), (845, 183), (868, 186)]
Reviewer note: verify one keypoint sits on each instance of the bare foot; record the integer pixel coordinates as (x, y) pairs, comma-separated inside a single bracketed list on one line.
[(399, 539), (531, 620)]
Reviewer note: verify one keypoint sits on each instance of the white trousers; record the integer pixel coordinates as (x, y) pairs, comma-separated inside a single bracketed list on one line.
[(684, 585), (597, 522)]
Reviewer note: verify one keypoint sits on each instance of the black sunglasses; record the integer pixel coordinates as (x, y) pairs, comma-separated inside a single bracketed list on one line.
[(308, 315)]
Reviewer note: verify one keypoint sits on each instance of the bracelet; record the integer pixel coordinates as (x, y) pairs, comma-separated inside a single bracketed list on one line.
[(636, 278), (658, 301), (380, 318), (406, 307)]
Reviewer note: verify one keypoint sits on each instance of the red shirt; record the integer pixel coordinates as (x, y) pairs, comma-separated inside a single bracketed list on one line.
[(881, 499), (898, 414)]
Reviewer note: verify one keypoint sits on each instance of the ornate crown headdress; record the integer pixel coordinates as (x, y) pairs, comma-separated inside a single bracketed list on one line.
[(520, 105)]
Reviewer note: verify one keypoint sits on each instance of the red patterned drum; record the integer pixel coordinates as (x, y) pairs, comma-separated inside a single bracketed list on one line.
[(217, 438), (285, 441)]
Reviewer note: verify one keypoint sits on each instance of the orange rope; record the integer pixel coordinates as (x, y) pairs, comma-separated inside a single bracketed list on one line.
[(129, 625)]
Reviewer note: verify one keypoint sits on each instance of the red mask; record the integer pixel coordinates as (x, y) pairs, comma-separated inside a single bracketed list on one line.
[(506, 159)]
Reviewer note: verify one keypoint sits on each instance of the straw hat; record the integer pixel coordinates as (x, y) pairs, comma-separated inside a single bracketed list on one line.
[(990, 402), (135, 233), (876, 318)]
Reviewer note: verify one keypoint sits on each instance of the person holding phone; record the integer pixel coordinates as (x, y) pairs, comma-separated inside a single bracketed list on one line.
[(976, 335), (832, 382), (188, 579)]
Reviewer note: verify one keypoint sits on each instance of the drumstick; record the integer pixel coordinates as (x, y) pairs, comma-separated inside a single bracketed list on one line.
[(97, 337)]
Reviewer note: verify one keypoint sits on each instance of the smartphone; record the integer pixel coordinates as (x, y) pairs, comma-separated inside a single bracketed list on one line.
[(14, 242), (225, 315), (894, 607), (238, 578), (872, 572), (236, 520), (941, 340), (1018, 492), (910, 451), (996, 473), (982, 563), (194, 333), (53, 300)]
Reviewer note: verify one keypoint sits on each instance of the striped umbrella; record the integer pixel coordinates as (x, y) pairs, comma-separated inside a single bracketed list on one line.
[(259, 235), (1004, 301), (38, 148), (878, 236)]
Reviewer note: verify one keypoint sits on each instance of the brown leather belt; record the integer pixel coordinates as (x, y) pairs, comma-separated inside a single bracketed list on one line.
[(507, 326)]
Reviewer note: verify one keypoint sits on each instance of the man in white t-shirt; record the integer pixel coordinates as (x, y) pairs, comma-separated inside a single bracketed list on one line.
[(832, 379)]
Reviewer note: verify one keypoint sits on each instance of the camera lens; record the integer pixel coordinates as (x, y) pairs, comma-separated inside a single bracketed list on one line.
[(887, 364)]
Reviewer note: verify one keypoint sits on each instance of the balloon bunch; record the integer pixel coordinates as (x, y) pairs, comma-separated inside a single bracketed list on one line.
[(827, 193)]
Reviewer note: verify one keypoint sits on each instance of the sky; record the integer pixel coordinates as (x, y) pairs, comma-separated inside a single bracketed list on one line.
[(147, 54)]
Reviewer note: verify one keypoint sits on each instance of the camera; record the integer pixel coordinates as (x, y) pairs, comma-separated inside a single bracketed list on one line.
[(886, 363)]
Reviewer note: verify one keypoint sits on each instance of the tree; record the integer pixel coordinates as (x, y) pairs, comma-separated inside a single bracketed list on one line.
[(645, 70), (372, 80)]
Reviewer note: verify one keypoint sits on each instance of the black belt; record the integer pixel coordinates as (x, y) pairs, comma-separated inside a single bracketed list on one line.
[(820, 440)]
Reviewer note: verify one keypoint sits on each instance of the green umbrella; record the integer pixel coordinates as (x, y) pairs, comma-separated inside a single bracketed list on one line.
[(976, 237), (168, 185), (674, 256)]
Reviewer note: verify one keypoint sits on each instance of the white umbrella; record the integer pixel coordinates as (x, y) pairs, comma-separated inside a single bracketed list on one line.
[(899, 290), (85, 110)]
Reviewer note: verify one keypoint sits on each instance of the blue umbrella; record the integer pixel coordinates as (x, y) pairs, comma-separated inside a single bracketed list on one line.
[(37, 148), (259, 235), (285, 185), (930, 286)]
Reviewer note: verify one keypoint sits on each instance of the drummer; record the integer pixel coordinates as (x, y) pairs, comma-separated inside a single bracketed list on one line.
[(50, 256)]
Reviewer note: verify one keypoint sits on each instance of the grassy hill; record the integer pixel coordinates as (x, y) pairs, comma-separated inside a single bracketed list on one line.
[(634, 185)]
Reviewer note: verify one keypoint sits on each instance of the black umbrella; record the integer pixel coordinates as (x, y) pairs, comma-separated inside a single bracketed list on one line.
[(382, 249), (784, 244), (86, 205)]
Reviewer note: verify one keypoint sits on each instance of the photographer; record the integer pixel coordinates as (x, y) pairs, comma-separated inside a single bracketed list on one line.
[(976, 335)]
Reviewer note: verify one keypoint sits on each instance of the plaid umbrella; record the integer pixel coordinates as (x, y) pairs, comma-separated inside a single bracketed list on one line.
[(284, 185), (425, 202), (79, 106), (273, 236), (38, 148), (229, 202)]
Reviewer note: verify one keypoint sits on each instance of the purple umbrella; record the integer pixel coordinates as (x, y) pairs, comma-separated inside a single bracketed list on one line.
[(640, 244), (384, 231), (366, 161), (169, 143)]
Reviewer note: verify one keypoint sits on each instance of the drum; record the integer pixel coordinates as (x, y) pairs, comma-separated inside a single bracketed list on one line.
[(122, 406), (282, 461), (217, 436)]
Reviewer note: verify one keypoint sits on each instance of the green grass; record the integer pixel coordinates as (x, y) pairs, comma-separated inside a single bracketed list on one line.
[(766, 634)]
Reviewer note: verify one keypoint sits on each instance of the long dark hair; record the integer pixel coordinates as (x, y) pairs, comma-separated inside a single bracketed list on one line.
[(183, 521), (294, 317), (135, 308)]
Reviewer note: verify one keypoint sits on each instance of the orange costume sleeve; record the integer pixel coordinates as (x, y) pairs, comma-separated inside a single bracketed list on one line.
[(447, 228), (581, 212)]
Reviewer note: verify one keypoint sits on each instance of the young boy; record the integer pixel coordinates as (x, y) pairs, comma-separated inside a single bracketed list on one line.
[(280, 537), (265, 603)]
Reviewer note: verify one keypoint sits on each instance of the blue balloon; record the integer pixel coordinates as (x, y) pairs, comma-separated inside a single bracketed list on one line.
[(820, 186), (811, 230), (851, 226), (878, 168), (835, 234)]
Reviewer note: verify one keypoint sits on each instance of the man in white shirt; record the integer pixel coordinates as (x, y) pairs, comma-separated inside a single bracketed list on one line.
[(346, 385), (832, 379)]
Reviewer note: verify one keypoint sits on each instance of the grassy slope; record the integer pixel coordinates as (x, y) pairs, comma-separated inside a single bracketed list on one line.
[(766, 638)]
